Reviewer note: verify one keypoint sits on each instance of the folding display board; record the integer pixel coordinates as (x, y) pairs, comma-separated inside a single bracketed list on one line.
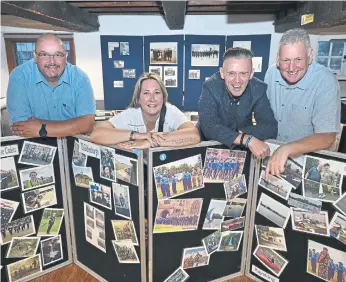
[(259, 45), (166, 249), (104, 264), (298, 253), (122, 65), (203, 56), (164, 54), (34, 169)]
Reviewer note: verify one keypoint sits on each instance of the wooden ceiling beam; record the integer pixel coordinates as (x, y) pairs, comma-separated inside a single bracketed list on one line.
[(113, 4), (174, 13)]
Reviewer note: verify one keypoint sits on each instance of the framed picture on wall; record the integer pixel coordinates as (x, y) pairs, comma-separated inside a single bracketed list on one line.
[(163, 53), (206, 55)]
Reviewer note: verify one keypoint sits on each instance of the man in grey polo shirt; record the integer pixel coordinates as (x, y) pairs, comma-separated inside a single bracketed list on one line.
[(305, 98)]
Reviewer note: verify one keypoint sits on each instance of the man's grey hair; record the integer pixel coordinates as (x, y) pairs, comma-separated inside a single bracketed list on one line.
[(295, 36), (237, 53)]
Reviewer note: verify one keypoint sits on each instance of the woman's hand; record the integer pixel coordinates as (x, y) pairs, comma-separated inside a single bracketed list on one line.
[(145, 136), (158, 137), (136, 144)]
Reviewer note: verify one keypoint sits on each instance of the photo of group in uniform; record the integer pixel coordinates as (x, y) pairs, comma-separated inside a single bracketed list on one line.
[(206, 55), (178, 275), (195, 257), (34, 200), (82, 176), (24, 269), (23, 247), (78, 158), (271, 237), (51, 250), (163, 53), (8, 171), (129, 73), (275, 185), (37, 177), (126, 169), (125, 251), (179, 177), (307, 204), (7, 210), (212, 242), (157, 70), (122, 202), (235, 187), (107, 163), (337, 227), (310, 222), (194, 74), (124, 230), (100, 195), (36, 154), (50, 222), (230, 241), (170, 76), (17, 228)]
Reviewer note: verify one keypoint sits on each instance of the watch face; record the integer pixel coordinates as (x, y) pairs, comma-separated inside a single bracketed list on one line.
[(43, 131)]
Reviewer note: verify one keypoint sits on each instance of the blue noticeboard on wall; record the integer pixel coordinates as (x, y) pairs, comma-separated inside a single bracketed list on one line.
[(260, 46), (205, 57), (120, 56), (164, 54)]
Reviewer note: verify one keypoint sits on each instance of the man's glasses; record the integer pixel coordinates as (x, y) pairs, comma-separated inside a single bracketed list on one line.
[(45, 56)]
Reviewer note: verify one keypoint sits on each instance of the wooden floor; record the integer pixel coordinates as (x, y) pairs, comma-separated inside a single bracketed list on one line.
[(73, 273)]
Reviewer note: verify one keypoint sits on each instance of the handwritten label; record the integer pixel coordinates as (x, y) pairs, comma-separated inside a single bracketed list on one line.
[(89, 149)]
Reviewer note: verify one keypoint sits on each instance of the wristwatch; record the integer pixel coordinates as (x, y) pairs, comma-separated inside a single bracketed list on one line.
[(43, 131)]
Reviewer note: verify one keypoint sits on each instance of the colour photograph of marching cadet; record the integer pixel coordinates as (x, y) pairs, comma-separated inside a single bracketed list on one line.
[(24, 269), (205, 55), (9, 178), (23, 247), (126, 169), (195, 257), (273, 210), (211, 242), (325, 262), (124, 49), (214, 217), (307, 204), (163, 53), (36, 154), (271, 237), (17, 228), (235, 187), (124, 230), (37, 177), (230, 241), (51, 250), (125, 251), (233, 224), (340, 204), (179, 177), (78, 159), (178, 275), (118, 64), (222, 165), (157, 70), (234, 208), (337, 227), (194, 74), (129, 73), (177, 215), (270, 259), (170, 76), (82, 176), (310, 222), (122, 203), (38, 199), (275, 185), (50, 222), (107, 163), (7, 210), (100, 195)]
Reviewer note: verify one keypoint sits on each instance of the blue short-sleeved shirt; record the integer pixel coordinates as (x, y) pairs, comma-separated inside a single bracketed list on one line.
[(309, 107), (30, 95)]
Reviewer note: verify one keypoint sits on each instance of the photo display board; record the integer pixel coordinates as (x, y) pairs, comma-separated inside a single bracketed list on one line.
[(34, 236), (177, 225), (304, 248), (105, 215)]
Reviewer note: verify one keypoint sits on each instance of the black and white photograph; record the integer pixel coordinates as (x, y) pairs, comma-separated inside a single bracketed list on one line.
[(119, 64), (111, 47), (78, 158), (100, 195), (235, 187), (163, 53), (195, 257), (212, 242), (82, 176), (170, 76), (179, 275), (124, 230), (50, 222), (107, 163), (129, 73), (8, 209), (17, 228), (234, 208), (157, 70), (9, 178), (194, 74), (118, 83), (233, 224), (37, 177), (37, 199), (307, 204), (36, 154), (51, 250), (122, 202), (271, 237), (275, 185), (89, 210), (321, 192), (340, 204), (23, 247), (24, 269), (230, 241), (125, 251), (126, 169), (313, 223), (94, 227), (206, 55), (337, 227), (124, 49), (214, 217), (273, 210)]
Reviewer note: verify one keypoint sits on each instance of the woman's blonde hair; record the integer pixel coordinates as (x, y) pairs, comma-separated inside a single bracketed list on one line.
[(145, 76)]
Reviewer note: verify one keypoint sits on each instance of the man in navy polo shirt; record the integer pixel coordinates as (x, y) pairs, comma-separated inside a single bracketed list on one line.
[(47, 96)]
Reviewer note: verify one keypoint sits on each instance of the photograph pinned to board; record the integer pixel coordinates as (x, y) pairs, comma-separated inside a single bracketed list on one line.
[(205, 55), (125, 251), (100, 195), (124, 230), (214, 217), (271, 237), (257, 64), (9, 178), (51, 250), (170, 76), (320, 192), (111, 47), (118, 84), (179, 275), (312, 223), (234, 208), (9, 150), (37, 177), (27, 227), (169, 216), (178, 177), (51, 221), (7, 210), (24, 269), (230, 241), (129, 73), (124, 49), (235, 187), (78, 158), (122, 202), (163, 53), (337, 227), (275, 185), (340, 204), (23, 247), (273, 210), (36, 154), (194, 74), (156, 70), (195, 257), (307, 204), (126, 169), (212, 242), (119, 64), (233, 224), (82, 176), (107, 163), (37, 199), (242, 44)]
